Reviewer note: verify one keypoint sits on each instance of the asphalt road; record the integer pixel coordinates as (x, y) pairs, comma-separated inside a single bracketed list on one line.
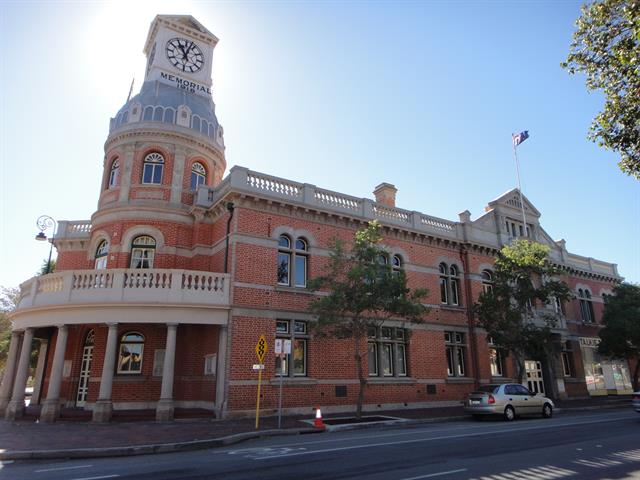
[(589, 445)]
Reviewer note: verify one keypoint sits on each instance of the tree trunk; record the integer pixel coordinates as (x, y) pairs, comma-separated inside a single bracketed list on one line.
[(521, 373), (636, 374), (361, 378)]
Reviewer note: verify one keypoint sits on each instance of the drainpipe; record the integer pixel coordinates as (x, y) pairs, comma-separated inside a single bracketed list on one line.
[(230, 208), (473, 344)]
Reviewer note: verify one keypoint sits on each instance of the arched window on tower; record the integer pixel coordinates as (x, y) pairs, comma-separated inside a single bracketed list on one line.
[(487, 281), (396, 265), (152, 169), (114, 174), (198, 175), (102, 254), (143, 250)]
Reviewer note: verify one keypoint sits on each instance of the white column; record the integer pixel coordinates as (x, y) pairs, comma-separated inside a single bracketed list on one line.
[(221, 370), (39, 375), (164, 410), (10, 369), (51, 406), (15, 409), (103, 407)]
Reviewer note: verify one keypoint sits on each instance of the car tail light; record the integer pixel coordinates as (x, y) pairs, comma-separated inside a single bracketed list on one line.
[(491, 400)]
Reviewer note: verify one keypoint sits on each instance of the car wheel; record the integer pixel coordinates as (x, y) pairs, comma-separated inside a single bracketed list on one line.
[(509, 413), (547, 411)]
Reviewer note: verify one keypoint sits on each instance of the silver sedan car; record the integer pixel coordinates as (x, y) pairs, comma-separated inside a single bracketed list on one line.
[(508, 400)]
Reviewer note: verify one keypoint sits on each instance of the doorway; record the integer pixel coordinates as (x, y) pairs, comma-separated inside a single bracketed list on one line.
[(85, 369), (535, 379)]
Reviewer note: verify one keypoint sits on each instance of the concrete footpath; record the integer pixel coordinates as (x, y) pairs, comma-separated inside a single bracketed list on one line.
[(27, 439)]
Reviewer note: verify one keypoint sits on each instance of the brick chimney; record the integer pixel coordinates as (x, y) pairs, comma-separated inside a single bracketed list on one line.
[(385, 193)]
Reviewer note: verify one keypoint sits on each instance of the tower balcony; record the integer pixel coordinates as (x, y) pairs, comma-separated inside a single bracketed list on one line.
[(123, 295)]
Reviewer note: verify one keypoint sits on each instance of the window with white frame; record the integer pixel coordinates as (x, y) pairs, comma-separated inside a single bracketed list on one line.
[(387, 352), (295, 363), (487, 281), (130, 353), (496, 359), (586, 305), (210, 362), (292, 261), (114, 174), (567, 359), (102, 253), (456, 351), (198, 175), (152, 168), (142, 252), (449, 284)]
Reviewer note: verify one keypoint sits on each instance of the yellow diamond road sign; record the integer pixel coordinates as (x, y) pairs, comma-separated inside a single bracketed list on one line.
[(261, 348)]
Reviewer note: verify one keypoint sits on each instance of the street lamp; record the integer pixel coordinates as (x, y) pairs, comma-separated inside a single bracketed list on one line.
[(45, 222)]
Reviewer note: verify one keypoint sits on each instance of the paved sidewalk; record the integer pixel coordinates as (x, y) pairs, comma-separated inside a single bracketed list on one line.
[(66, 439)]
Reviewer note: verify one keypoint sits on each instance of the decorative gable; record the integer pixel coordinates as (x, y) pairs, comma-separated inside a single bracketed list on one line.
[(511, 201)]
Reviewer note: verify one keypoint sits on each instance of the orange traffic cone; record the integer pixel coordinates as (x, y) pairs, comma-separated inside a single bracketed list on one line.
[(318, 421)]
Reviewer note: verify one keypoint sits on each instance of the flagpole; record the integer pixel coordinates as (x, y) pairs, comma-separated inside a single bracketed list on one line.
[(524, 218)]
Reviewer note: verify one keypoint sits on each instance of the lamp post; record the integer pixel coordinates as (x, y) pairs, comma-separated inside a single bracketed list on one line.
[(45, 222)]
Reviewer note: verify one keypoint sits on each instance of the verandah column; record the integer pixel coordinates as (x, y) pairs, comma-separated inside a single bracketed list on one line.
[(221, 371), (164, 410), (7, 381), (51, 407), (104, 406), (15, 409)]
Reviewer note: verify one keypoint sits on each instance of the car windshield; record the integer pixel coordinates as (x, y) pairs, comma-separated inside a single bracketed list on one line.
[(487, 389)]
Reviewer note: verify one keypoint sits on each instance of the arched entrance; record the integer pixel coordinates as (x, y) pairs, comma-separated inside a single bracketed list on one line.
[(85, 369)]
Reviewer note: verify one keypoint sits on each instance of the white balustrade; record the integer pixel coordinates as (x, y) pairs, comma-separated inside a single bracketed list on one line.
[(336, 200)]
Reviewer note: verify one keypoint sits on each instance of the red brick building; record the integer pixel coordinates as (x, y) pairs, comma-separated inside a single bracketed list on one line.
[(159, 300)]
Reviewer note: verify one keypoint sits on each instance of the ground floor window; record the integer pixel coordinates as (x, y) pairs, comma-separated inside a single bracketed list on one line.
[(295, 363), (456, 350), (567, 359), (496, 359), (130, 353), (387, 352)]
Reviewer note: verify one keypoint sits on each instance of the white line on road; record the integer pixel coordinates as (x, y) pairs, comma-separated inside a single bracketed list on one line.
[(96, 478), (422, 440), (61, 468), (439, 474)]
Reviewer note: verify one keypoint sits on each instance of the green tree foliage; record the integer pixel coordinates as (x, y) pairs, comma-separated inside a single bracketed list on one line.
[(8, 300), (606, 48), (620, 337), (522, 277), (360, 292), (47, 267)]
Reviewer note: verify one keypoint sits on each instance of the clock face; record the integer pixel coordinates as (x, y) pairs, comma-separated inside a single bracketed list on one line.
[(185, 55)]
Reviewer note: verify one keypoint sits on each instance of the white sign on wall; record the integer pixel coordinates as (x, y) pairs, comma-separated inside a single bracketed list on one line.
[(282, 346)]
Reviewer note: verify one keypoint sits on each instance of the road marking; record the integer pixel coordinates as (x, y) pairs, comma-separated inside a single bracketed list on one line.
[(96, 478), (431, 439), (61, 468), (439, 474)]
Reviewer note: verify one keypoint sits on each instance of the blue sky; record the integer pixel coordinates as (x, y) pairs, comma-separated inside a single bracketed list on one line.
[(344, 95)]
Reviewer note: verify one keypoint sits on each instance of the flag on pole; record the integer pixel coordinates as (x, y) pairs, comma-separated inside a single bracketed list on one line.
[(131, 89), (519, 138)]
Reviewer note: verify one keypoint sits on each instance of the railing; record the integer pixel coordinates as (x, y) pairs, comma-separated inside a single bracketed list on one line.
[(74, 229), (157, 286)]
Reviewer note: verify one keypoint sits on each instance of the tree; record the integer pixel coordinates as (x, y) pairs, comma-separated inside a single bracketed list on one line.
[(47, 267), (362, 292), (606, 47), (620, 337), (522, 276), (8, 301)]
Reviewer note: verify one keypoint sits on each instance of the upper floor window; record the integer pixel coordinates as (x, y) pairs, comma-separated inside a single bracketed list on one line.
[(449, 284), (586, 305), (387, 352), (198, 175), (142, 252), (487, 281), (152, 170), (130, 353), (102, 253), (396, 264), (114, 174), (292, 261)]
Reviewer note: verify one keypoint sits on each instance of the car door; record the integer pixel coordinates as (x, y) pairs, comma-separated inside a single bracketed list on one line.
[(514, 398), (527, 399)]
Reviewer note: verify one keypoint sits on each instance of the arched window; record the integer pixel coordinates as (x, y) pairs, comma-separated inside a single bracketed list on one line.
[(487, 281), (102, 253), (130, 353), (396, 265), (586, 305), (152, 169), (157, 114), (449, 284), (292, 262), (147, 115), (169, 115), (198, 175), (114, 174), (142, 252)]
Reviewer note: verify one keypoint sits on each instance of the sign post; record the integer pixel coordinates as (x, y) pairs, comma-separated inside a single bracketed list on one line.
[(261, 350), (282, 348)]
